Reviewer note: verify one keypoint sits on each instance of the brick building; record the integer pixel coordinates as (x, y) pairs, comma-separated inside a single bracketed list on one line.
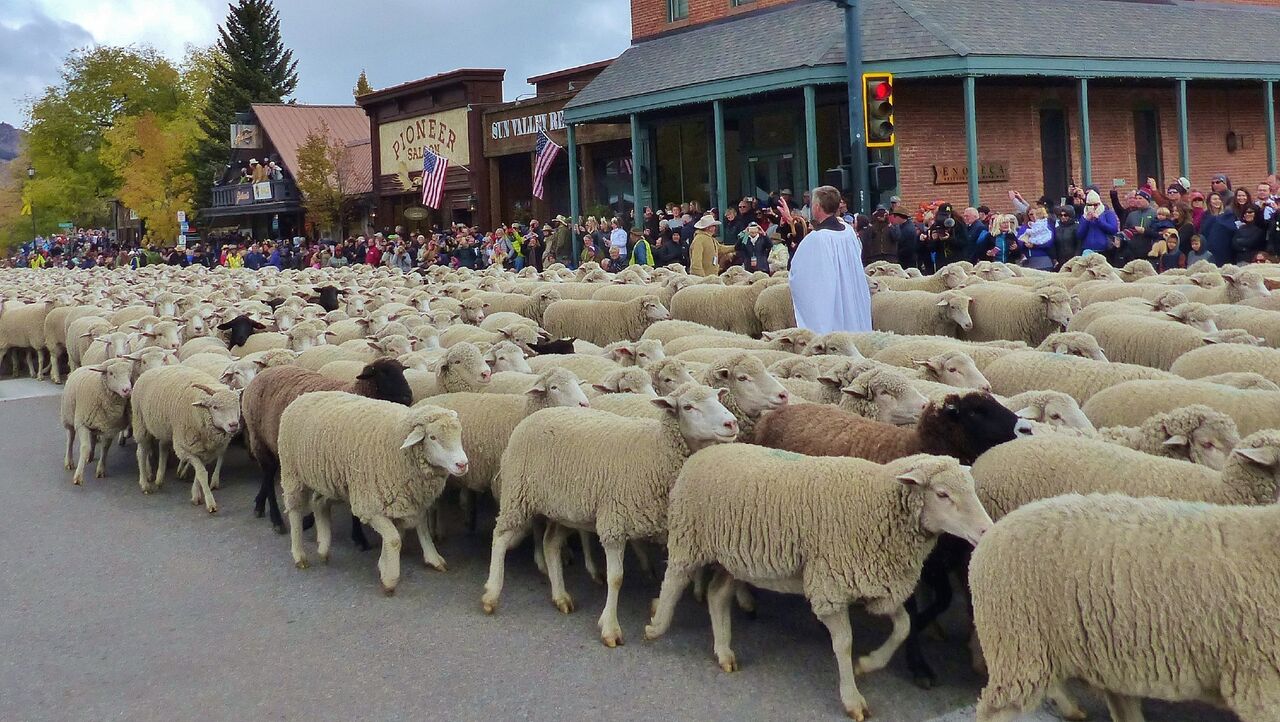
[(728, 98)]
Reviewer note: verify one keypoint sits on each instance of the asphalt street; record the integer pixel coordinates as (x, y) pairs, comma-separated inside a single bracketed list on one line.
[(117, 605)]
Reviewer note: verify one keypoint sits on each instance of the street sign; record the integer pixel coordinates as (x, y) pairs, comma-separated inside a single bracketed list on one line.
[(66, 225), (182, 216), (182, 241), (183, 226)]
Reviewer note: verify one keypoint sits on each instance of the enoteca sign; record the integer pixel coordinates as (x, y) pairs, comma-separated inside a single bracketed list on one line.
[(958, 173), (401, 143)]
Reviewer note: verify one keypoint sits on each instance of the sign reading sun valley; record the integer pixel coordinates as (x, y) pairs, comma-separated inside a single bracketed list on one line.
[(526, 125)]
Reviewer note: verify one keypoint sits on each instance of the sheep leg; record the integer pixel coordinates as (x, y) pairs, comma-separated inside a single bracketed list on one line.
[(589, 559), (54, 364), (321, 511), (104, 443), (880, 657), (40, 354), (1067, 707), (642, 556), (467, 507), (293, 507), (745, 599), (673, 584), (33, 364), (357, 535), (202, 480), (1124, 708), (430, 556), (162, 460), (719, 604), (144, 465), (700, 586), (503, 537), (216, 481), (389, 560), (267, 492), (841, 631), (86, 444), (610, 630), (71, 445), (552, 547)]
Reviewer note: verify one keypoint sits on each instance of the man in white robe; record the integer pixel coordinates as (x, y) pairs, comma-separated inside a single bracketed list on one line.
[(828, 285)]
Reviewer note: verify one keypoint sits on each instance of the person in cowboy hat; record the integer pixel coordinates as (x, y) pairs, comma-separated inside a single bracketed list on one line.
[(703, 250)]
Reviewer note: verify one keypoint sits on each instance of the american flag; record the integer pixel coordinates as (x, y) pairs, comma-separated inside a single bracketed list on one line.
[(434, 168), (546, 152), (626, 167)]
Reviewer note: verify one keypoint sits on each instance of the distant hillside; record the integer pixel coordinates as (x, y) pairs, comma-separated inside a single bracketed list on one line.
[(10, 137)]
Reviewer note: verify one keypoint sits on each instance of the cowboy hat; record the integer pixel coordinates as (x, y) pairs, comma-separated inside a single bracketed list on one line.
[(706, 221)]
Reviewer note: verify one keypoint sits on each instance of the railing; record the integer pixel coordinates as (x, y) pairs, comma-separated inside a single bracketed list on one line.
[(248, 194)]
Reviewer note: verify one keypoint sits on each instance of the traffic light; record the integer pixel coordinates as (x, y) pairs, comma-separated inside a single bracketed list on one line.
[(877, 95)]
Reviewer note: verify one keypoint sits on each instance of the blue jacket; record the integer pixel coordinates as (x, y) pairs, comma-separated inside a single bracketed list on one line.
[(254, 260), (1217, 232), (1095, 234)]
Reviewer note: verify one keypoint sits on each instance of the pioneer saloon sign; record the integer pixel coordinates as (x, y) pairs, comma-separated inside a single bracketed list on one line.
[(401, 142), (945, 174)]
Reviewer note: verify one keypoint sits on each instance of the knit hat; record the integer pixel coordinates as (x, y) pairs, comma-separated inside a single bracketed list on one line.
[(1142, 192), (1092, 199)]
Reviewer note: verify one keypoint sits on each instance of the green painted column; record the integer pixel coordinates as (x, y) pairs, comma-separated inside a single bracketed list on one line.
[(575, 201), (638, 215), (1270, 110), (811, 138), (722, 171), (971, 137), (1184, 146), (1086, 136)]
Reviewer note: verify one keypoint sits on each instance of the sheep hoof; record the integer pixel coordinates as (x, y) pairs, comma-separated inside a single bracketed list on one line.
[(651, 633), (259, 513), (324, 558), (302, 564), (488, 607), (440, 566), (77, 480), (195, 502), (564, 604), (213, 508), (68, 466), (612, 639), (729, 663), (1077, 715), (858, 714), (100, 473), (279, 529), (388, 591)]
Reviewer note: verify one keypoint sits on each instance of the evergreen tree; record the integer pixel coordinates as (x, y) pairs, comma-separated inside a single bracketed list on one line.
[(362, 85), (253, 67)]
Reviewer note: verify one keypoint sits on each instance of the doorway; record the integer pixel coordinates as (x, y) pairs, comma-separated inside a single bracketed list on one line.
[(1055, 152), (768, 173), (1146, 142)]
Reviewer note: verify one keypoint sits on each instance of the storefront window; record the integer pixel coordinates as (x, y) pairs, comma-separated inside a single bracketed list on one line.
[(682, 152)]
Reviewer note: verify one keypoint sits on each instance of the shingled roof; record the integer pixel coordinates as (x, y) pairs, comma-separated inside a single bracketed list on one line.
[(288, 125), (810, 33)]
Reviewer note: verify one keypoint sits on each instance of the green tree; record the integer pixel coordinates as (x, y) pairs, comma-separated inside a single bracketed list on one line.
[(69, 122), (362, 85), (325, 177), (252, 66)]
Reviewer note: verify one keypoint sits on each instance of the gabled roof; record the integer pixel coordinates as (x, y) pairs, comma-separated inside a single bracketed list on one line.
[(288, 126), (360, 168), (803, 42)]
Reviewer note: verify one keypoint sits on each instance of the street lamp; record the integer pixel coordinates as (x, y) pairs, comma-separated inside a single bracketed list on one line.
[(31, 175)]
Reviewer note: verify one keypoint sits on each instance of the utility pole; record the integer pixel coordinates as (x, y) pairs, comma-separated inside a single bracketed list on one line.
[(859, 172)]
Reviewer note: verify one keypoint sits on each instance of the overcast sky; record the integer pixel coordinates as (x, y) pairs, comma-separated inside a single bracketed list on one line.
[(393, 40)]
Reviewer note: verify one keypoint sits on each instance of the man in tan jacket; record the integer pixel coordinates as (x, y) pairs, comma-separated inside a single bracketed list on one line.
[(703, 249)]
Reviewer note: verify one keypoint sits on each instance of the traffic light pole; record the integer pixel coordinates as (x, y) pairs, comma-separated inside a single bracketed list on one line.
[(860, 173)]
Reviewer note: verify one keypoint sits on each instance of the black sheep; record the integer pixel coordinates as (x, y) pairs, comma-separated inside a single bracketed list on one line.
[(239, 329), (558, 347), (327, 298)]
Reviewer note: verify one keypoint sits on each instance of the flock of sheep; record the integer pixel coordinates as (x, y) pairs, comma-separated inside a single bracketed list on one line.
[(1108, 440)]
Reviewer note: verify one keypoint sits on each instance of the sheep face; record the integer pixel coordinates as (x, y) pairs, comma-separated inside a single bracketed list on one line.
[(1057, 409), (955, 369), (1073, 343), (559, 387), (473, 311), (117, 343), (356, 305), (1195, 315), (425, 338), (286, 318), (668, 375), (954, 306), (947, 500), (1234, 335), (973, 423), (387, 377), (1057, 305), (804, 369), (239, 329), (754, 389), (522, 335), (1247, 284), (701, 414), (795, 340), (627, 381), (833, 344), (506, 356), (223, 406), (653, 310), (896, 401), (166, 335), (305, 336), (1167, 300), (466, 360), (1200, 435), (434, 441), (622, 353), (117, 375), (953, 276), (395, 345), (648, 353), (238, 374)]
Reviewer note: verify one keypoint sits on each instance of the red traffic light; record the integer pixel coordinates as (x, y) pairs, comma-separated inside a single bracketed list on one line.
[(881, 91)]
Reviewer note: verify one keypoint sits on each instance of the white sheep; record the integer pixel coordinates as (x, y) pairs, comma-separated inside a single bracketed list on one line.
[(1133, 402), (1077, 377), (905, 353), (462, 368), (603, 322), (884, 395), (1259, 322), (1052, 408), (190, 411), (543, 473), (1194, 433), (93, 408), (387, 461), (729, 308), (1247, 380), (1010, 313), (921, 313), (1232, 357), (1039, 626), (837, 530), (1073, 343)]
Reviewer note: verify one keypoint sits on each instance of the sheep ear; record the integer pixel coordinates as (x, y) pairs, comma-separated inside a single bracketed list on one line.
[(856, 390), (99, 369), (926, 363), (1029, 413), (666, 403), (260, 363), (204, 388), (258, 325), (829, 379), (414, 438), (202, 403), (915, 477), (722, 374), (1210, 339), (769, 335), (540, 389), (943, 302), (1177, 440), (373, 344), (1174, 316), (1261, 457), (602, 388)]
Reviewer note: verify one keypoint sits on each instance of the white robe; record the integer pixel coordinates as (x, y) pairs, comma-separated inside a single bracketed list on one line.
[(828, 285)]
